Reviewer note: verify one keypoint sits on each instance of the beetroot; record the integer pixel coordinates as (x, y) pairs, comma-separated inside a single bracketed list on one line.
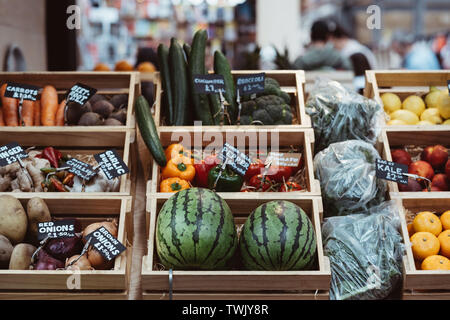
[(46, 262)]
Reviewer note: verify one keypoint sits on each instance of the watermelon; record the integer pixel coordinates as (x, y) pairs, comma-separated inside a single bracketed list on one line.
[(278, 236), (195, 230)]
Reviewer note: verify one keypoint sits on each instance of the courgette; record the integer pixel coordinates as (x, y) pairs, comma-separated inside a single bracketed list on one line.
[(148, 130), (187, 50), (200, 102), (167, 98), (179, 77), (222, 67)]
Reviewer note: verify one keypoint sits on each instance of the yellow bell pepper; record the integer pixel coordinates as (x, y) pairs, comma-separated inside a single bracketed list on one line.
[(176, 167), (173, 185), (178, 150)]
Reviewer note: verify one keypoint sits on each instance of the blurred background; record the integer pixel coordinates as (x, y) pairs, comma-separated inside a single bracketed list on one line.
[(254, 34)]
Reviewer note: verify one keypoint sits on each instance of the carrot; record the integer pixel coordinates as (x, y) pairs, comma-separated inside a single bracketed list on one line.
[(10, 106), (37, 113), (2, 123), (60, 113), (49, 106), (28, 113)]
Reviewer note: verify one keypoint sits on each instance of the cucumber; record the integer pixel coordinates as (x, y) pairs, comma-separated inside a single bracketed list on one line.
[(148, 130), (167, 98), (200, 102), (179, 77), (222, 67), (187, 50)]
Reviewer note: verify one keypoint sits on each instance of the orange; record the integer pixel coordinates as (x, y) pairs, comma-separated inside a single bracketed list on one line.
[(101, 67), (410, 229), (146, 67), (424, 244), (436, 262), (427, 221), (445, 220), (123, 65), (444, 240)]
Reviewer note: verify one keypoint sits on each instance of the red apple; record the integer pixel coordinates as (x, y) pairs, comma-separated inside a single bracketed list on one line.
[(412, 185), (447, 169), (421, 168), (433, 189), (436, 155), (401, 156), (440, 181)]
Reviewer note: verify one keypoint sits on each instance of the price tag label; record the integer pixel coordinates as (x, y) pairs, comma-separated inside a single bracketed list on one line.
[(238, 161), (56, 229), (11, 153), (284, 159), (81, 169), (80, 94), (251, 83), (105, 243), (111, 164), (21, 91), (391, 171), (209, 83)]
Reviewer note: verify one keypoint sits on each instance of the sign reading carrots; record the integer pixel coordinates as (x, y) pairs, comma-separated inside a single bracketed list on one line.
[(21, 91)]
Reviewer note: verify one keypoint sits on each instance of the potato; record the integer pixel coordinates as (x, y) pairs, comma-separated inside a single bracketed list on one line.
[(37, 211), (21, 256), (6, 248), (13, 219)]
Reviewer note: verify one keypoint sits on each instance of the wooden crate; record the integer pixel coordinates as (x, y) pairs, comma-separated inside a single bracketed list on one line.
[(237, 284), (291, 81), (303, 138), (403, 83), (422, 284), (98, 284), (400, 136), (107, 83), (319, 295)]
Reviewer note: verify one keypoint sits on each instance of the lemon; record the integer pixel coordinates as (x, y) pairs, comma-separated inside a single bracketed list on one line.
[(425, 123), (447, 122), (444, 106), (431, 115), (396, 123), (434, 88), (391, 102), (432, 98), (405, 115), (414, 104)]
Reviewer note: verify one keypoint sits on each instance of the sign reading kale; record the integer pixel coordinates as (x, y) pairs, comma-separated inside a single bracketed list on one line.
[(238, 161), (11, 153), (391, 171), (111, 164), (56, 229), (81, 169), (209, 83), (105, 243), (284, 159), (251, 83), (21, 91), (80, 94)]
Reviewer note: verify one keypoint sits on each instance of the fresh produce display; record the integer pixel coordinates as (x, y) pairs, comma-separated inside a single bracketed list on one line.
[(100, 110), (206, 171), (365, 252), (339, 114), (181, 104), (430, 162), (431, 109), (346, 171), (430, 239), (195, 230), (278, 235), (21, 250), (41, 173)]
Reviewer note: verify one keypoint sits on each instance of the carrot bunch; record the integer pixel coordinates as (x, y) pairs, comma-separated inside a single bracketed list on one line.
[(46, 111)]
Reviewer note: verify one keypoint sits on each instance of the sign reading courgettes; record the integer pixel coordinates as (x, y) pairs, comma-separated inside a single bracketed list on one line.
[(209, 83)]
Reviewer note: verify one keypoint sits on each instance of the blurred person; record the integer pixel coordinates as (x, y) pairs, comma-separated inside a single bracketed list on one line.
[(349, 46), (360, 65), (416, 55), (320, 54)]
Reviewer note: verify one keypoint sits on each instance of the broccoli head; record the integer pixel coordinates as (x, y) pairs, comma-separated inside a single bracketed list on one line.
[(262, 116), (246, 120), (271, 81), (248, 107)]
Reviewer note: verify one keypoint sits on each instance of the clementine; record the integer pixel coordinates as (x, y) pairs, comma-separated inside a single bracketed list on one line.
[(424, 244), (445, 220), (123, 65), (435, 262), (427, 221), (444, 240)]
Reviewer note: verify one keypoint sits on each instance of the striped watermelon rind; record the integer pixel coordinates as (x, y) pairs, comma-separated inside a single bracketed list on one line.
[(195, 230), (278, 236)]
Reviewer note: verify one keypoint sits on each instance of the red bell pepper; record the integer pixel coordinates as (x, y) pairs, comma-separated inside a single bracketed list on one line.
[(255, 168), (260, 182), (290, 186), (202, 169), (52, 155), (277, 173)]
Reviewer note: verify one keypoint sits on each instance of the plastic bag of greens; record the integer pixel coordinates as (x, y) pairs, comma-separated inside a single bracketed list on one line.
[(365, 252), (339, 114), (346, 171)]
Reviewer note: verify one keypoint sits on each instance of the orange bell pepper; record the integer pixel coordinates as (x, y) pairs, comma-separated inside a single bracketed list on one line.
[(178, 150), (176, 167), (173, 185)]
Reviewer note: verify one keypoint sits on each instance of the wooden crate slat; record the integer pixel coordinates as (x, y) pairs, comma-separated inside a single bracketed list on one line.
[(319, 295)]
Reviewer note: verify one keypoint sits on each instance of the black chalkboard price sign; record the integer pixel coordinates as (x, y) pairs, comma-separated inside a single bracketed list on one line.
[(111, 164), (391, 171), (209, 83), (105, 243), (235, 159), (11, 153), (21, 91), (250, 83), (80, 94), (56, 229), (80, 169)]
